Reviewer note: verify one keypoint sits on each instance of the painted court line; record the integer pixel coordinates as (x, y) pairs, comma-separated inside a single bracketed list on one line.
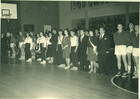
[(121, 87)]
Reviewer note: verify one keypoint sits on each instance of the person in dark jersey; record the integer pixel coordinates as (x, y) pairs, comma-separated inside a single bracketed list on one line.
[(135, 53), (130, 47), (121, 40)]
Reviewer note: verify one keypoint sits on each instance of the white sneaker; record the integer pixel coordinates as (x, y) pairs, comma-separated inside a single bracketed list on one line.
[(20, 58), (91, 71), (43, 62), (50, 62), (62, 66), (74, 68), (67, 67), (59, 66), (29, 60), (23, 57), (39, 59), (135, 77), (47, 59)]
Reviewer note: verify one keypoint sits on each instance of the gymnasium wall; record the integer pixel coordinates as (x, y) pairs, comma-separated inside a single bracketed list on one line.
[(66, 15), (39, 14), (12, 25)]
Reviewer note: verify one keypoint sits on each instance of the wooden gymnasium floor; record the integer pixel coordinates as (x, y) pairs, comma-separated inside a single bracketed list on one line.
[(25, 80)]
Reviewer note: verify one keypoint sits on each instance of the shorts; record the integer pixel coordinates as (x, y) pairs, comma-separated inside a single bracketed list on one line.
[(129, 49), (21, 44), (12, 45), (135, 52), (120, 50)]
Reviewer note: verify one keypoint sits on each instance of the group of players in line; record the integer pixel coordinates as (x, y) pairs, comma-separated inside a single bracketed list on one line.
[(79, 49)]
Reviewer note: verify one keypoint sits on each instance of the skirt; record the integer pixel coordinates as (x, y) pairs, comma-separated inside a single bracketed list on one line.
[(66, 52), (91, 55)]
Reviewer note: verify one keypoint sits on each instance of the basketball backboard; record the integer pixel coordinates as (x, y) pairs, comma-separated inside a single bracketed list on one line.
[(8, 11)]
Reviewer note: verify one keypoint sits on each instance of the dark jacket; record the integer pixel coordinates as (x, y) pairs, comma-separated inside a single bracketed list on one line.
[(54, 40), (94, 40), (135, 40), (83, 45), (104, 44)]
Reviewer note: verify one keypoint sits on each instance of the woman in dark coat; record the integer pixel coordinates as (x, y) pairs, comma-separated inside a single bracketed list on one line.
[(66, 48), (92, 51)]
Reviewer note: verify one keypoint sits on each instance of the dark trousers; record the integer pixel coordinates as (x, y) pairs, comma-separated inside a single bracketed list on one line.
[(82, 59), (74, 56), (54, 53), (4, 55), (43, 56), (49, 51), (60, 59), (104, 63), (37, 55), (27, 51)]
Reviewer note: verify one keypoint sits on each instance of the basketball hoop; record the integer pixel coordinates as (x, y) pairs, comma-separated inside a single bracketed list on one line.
[(7, 16)]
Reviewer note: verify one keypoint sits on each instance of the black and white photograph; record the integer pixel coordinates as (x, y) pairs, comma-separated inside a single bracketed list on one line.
[(69, 49)]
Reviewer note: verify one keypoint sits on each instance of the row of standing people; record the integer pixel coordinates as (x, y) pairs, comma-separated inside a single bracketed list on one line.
[(83, 49)]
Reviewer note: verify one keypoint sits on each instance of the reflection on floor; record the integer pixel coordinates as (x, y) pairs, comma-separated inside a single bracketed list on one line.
[(127, 83), (32, 80)]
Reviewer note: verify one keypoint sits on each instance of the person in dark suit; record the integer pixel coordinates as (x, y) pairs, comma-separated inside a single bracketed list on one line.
[(103, 48), (54, 40), (4, 48), (82, 50)]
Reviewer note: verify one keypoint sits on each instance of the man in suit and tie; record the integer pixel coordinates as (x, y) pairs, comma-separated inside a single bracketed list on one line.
[(82, 50), (103, 48)]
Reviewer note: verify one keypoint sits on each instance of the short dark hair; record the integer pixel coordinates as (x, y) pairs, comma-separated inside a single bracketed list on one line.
[(120, 24), (54, 29), (82, 29), (60, 30), (67, 31), (72, 30)]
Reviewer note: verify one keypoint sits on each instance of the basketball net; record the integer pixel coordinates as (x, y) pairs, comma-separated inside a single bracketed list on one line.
[(7, 16)]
